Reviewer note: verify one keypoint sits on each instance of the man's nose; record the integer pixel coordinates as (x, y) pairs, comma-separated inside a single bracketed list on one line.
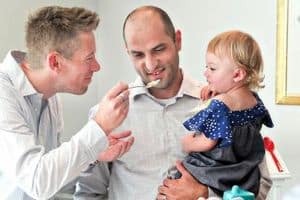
[(96, 66), (151, 63)]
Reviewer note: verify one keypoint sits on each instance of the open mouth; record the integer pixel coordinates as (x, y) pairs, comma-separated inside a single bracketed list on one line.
[(157, 74)]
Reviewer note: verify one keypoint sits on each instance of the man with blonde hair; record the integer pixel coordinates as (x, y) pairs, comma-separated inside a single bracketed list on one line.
[(60, 58)]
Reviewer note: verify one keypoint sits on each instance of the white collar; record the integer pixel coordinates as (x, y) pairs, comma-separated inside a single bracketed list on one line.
[(11, 67)]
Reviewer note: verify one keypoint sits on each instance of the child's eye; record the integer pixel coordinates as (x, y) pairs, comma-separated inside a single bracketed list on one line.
[(211, 68)]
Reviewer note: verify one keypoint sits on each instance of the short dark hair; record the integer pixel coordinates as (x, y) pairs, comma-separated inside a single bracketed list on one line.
[(166, 20)]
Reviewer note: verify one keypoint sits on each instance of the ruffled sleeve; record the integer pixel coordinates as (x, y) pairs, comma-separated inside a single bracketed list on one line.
[(268, 120), (213, 121), (262, 110)]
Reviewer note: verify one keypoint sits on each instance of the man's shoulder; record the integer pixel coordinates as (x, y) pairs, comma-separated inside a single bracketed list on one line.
[(6, 86)]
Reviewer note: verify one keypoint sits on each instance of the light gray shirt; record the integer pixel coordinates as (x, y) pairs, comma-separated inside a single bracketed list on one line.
[(157, 128), (33, 163)]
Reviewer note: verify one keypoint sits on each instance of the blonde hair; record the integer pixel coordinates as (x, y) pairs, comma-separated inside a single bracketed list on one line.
[(55, 28), (245, 53)]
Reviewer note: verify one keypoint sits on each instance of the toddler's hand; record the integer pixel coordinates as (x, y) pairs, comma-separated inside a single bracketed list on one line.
[(207, 93)]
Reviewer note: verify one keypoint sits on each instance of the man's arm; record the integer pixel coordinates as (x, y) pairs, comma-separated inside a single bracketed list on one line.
[(36, 172), (177, 188), (93, 183)]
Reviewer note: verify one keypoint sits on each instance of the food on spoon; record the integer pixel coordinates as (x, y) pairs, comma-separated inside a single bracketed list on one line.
[(153, 83)]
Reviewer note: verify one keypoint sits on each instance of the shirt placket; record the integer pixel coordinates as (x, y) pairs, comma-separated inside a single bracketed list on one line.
[(170, 139)]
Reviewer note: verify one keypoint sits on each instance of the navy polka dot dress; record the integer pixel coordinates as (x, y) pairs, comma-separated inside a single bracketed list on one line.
[(235, 159)]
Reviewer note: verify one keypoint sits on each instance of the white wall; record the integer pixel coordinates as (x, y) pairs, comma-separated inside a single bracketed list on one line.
[(199, 21)]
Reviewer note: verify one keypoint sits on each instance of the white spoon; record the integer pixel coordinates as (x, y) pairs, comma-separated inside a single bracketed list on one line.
[(149, 85)]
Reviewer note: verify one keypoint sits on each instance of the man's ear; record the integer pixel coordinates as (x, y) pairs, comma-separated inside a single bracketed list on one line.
[(54, 61), (239, 74), (178, 40)]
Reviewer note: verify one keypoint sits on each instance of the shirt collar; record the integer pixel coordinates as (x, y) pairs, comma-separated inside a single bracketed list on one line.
[(189, 87), (11, 67)]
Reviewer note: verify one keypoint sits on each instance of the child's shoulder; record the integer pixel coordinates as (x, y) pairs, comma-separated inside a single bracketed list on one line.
[(224, 98), (237, 101)]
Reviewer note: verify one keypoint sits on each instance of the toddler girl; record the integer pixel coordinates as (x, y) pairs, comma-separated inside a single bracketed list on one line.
[(226, 146)]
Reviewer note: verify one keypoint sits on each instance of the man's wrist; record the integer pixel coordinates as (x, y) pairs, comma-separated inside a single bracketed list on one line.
[(202, 192), (101, 125), (210, 195)]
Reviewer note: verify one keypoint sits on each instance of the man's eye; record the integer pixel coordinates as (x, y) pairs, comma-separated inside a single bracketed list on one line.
[(89, 59), (161, 48), (137, 55)]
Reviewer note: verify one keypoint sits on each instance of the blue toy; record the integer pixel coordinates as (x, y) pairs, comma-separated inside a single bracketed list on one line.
[(236, 193)]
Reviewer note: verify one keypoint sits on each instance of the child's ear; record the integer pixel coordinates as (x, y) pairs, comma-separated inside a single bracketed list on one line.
[(239, 74)]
